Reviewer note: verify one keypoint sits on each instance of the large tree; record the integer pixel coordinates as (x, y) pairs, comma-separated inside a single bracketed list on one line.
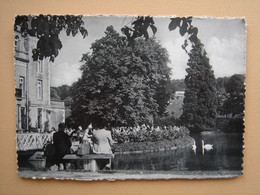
[(234, 104), (231, 94), (200, 100), (121, 81)]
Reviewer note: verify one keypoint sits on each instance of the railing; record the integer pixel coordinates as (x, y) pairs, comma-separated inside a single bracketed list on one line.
[(31, 141)]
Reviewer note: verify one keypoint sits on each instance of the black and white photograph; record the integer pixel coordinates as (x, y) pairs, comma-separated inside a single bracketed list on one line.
[(115, 97)]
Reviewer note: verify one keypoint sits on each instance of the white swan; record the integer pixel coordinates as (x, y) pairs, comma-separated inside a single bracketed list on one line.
[(207, 147), (194, 147)]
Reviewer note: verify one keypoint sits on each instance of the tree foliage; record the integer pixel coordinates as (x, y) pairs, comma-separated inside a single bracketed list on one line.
[(185, 26), (54, 94), (139, 28), (63, 93), (222, 95), (200, 100), (47, 29), (236, 93), (231, 94), (120, 83), (179, 84)]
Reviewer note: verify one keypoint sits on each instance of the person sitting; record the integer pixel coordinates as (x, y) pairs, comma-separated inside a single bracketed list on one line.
[(80, 134), (87, 137), (102, 144), (77, 134), (85, 146), (62, 145)]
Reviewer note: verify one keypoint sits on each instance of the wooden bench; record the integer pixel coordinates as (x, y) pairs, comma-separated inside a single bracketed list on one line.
[(91, 162)]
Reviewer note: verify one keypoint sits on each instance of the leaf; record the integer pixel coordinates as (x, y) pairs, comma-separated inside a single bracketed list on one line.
[(68, 32), (149, 20), (83, 32), (193, 30), (193, 38), (146, 35), (47, 29), (189, 20), (154, 29), (126, 31), (174, 23), (138, 22), (183, 28)]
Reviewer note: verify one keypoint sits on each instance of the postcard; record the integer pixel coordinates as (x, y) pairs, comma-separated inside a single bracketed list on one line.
[(129, 97)]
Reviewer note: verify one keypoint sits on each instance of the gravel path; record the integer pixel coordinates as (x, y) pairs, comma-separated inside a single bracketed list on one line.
[(122, 175)]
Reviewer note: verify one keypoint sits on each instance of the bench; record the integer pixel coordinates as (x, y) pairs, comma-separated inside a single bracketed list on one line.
[(91, 162)]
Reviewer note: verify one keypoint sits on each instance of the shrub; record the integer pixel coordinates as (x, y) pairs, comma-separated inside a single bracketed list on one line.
[(147, 134)]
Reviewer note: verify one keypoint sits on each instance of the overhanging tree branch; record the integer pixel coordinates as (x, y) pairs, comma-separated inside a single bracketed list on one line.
[(47, 29)]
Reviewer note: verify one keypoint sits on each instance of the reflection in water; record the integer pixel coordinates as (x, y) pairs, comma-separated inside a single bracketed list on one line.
[(225, 155)]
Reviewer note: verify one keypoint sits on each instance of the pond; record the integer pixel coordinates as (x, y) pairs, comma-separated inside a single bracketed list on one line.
[(225, 155)]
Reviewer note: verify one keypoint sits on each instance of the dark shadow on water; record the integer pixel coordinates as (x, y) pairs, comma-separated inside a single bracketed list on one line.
[(226, 155)]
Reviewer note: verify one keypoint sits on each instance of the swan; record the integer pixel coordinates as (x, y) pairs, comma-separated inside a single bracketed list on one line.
[(207, 147), (194, 147)]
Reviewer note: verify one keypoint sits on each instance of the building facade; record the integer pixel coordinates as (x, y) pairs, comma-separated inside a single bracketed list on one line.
[(35, 111)]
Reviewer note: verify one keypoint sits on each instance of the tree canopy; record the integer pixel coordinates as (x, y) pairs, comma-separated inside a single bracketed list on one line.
[(47, 29), (139, 28), (122, 84), (200, 100), (234, 104), (63, 93)]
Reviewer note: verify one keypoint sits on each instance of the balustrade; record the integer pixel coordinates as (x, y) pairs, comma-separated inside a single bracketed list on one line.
[(31, 141)]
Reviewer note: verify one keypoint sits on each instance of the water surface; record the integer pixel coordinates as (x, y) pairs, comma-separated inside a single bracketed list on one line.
[(226, 155)]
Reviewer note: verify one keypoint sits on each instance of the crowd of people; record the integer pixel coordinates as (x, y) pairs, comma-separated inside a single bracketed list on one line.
[(98, 141)]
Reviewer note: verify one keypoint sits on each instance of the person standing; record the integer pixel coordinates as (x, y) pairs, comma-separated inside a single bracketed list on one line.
[(49, 150), (62, 144)]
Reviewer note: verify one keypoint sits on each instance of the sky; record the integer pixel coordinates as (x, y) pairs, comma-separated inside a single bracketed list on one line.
[(224, 41)]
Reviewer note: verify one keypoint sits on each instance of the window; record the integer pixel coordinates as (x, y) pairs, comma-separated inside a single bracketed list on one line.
[(16, 46), (39, 89), (21, 112), (23, 118), (19, 116), (21, 85), (39, 67), (39, 119), (16, 43)]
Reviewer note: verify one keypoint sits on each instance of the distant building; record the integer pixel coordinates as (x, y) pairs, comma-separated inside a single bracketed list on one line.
[(34, 108), (179, 95), (176, 104)]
